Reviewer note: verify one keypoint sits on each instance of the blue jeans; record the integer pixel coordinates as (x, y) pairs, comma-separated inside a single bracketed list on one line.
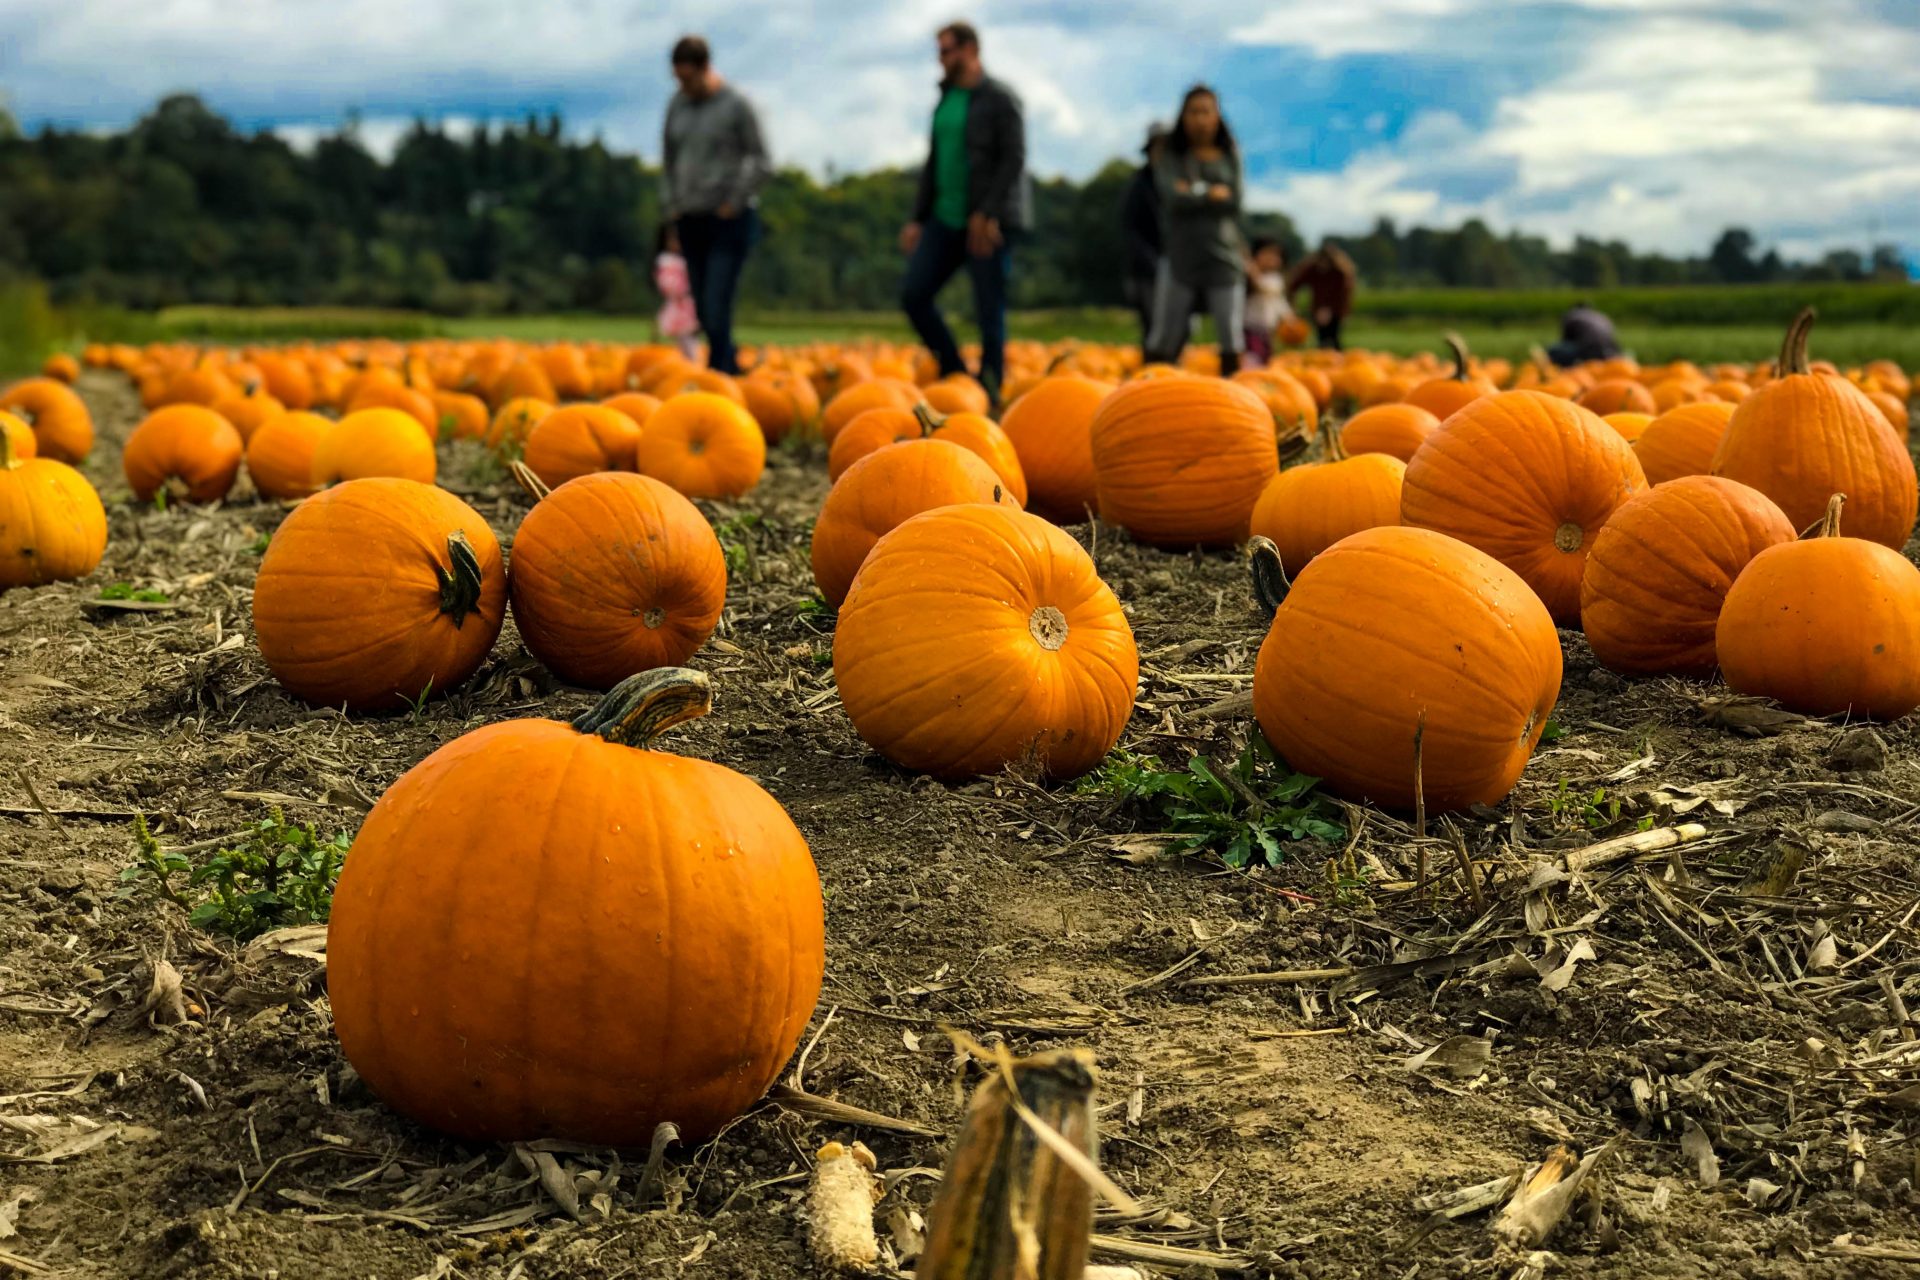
[(942, 252), (716, 251)]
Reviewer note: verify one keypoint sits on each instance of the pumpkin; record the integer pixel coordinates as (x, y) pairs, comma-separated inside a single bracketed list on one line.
[(870, 430), (782, 402), (1651, 592), (1682, 441), (186, 450), (1895, 410), (522, 380), (374, 442), (1292, 332), (955, 395), (52, 526), (280, 455), (288, 380), (1619, 395), (514, 421), (873, 393), (1806, 435), (686, 380), (704, 445), (1729, 390), (62, 427), (1443, 397), (979, 636), (613, 574), (1827, 625), (1306, 509), (1180, 460), (1630, 425), (979, 434), (377, 592), (1402, 653), (515, 882), (415, 404), (20, 440), (1296, 415), (1397, 430), (61, 367), (1529, 479), (579, 439), (247, 412), (1051, 428), (567, 369), (459, 416), (882, 490), (201, 385)]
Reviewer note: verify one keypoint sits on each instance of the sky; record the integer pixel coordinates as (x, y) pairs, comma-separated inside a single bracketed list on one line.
[(1657, 122)]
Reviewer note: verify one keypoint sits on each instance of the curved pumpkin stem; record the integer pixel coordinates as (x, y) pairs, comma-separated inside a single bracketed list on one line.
[(1793, 351), (535, 487), (460, 586), (1458, 345), (643, 706), (929, 418), (1330, 441), (1270, 585), (1828, 525), (1054, 364), (7, 459)]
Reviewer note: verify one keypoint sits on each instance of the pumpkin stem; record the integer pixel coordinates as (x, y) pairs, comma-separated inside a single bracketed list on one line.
[(460, 586), (1828, 525), (1458, 345), (7, 460), (1793, 351), (535, 487), (1270, 585), (1055, 363), (930, 421), (1330, 441), (643, 706)]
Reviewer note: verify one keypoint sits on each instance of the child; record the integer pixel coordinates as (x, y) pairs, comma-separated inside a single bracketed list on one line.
[(1266, 299), (677, 319)]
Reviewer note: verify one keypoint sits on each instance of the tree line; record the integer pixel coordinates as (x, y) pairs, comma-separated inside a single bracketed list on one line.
[(182, 207)]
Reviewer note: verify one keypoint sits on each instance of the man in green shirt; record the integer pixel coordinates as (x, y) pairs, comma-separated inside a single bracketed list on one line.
[(974, 196)]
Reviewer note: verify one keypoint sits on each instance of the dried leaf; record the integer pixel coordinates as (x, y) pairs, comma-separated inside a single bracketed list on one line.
[(1696, 1146), (1542, 1201), (1560, 978), (1462, 1057), (1760, 1192), (1750, 717), (10, 1211), (1824, 955)]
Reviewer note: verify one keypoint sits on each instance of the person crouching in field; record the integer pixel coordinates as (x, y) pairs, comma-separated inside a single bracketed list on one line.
[(1585, 334), (1266, 299), (1329, 276), (1199, 178), (677, 321)]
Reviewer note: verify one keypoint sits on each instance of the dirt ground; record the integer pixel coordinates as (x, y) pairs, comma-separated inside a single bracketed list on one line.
[(1737, 1030)]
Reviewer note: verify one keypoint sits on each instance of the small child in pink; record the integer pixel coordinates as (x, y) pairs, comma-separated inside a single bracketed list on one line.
[(677, 319)]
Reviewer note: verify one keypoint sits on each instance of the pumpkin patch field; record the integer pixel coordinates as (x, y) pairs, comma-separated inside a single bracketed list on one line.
[(485, 808)]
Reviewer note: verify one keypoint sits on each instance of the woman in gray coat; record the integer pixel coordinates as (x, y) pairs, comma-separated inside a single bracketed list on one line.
[(1205, 258)]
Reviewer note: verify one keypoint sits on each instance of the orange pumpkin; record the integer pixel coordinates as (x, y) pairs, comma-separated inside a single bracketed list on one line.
[(1397, 430), (416, 405), (377, 592), (459, 416), (1443, 397), (1630, 425), (677, 884), (52, 526), (280, 455), (870, 430), (61, 367), (522, 380), (979, 434), (1895, 410), (1682, 441), (1181, 460), (200, 385), (1400, 652), (874, 393), (1529, 479), (976, 636), (513, 422), (1651, 594), (637, 405), (1828, 625), (704, 445), (1295, 412), (884, 489), (614, 574), (188, 451), (374, 442), (957, 394), (782, 402), (1618, 395), (62, 426), (580, 439), (1051, 428), (288, 380), (1306, 509), (1807, 435)]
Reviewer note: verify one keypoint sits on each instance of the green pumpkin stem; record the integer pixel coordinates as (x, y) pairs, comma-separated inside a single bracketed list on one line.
[(460, 586), (930, 420), (1828, 525), (535, 487), (643, 706), (1270, 585), (1458, 345), (1793, 351)]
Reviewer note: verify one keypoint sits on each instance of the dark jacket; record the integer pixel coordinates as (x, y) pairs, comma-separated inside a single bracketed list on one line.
[(1588, 334), (1329, 276), (997, 181), (1140, 223)]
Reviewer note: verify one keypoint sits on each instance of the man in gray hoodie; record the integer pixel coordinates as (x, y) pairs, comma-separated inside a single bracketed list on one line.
[(713, 166)]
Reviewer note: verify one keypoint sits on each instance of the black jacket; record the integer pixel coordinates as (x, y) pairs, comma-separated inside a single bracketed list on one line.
[(997, 182), (1140, 223)]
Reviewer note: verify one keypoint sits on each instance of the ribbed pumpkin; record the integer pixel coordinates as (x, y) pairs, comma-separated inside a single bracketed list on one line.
[(781, 401), (1445, 396), (1828, 625), (459, 416), (1650, 597), (1895, 411), (186, 450), (637, 405), (1528, 479), (614, 574), (978, 636), (62, 427), (1682, 441), (1052, 430), (1296, 414), (386, 395), (514, 421), (522, 380), (1397, 430), (1618, 395), (979, 434), (288, 380), (873, 393), (704, 445), (280, 455), (871, 429), (374, 442), (52, 526), (377, 592), (1399, 644), (247, 412), (956, 394), (1630, 425), (884, 489), (580, 439), (557, 931), (1805, 436), (1306, 509), (1179, 461)]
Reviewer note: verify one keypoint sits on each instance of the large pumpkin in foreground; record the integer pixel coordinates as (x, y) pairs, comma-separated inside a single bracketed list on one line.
[(378, 592), (1180, 461), (1399, 644), (1527, 478), (554, 931), (978, 636)]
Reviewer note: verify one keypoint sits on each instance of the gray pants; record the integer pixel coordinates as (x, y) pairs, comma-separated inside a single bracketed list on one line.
[(1173, 304)]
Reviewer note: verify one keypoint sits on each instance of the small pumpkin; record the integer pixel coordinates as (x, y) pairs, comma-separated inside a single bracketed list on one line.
[(62, 426), (955, 395), (386, 395), (1445, 396), (872, 393), (977, 636), (881, 491), (52, 526), (247, 412), (374, 442), (1051, 428), (870, 430), (1682, 441), (781, 401), (514, 421), (1828, 625), (580, 439), (1180, 461), (1630, 425), (459, 416), (614, 574), (978, 434), (1403, 654), (1296, 414), (377, 592), (590, 866), (61, 367), (1306, 509), (704, 445), (1397, 430), (1529, 479), (186, 450), (1651, 593), (1618, 395), (280, 455)]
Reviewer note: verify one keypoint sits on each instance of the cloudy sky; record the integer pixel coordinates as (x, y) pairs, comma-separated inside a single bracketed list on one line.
[(1654, 121)]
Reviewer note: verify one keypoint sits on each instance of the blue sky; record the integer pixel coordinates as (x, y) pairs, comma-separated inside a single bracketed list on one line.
[(1653, 121)]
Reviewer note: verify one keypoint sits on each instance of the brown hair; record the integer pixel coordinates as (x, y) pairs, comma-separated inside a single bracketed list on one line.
[(692, 51), (962, 34)]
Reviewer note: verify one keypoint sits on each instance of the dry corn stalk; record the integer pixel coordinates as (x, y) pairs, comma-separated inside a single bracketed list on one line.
[(840, 1208)]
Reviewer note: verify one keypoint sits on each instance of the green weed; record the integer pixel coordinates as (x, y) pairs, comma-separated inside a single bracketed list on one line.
[(1246, 812), (127, 591), (281, 874)]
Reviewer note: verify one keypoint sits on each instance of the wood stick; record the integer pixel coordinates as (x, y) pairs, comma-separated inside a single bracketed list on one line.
[(1279, 978)]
